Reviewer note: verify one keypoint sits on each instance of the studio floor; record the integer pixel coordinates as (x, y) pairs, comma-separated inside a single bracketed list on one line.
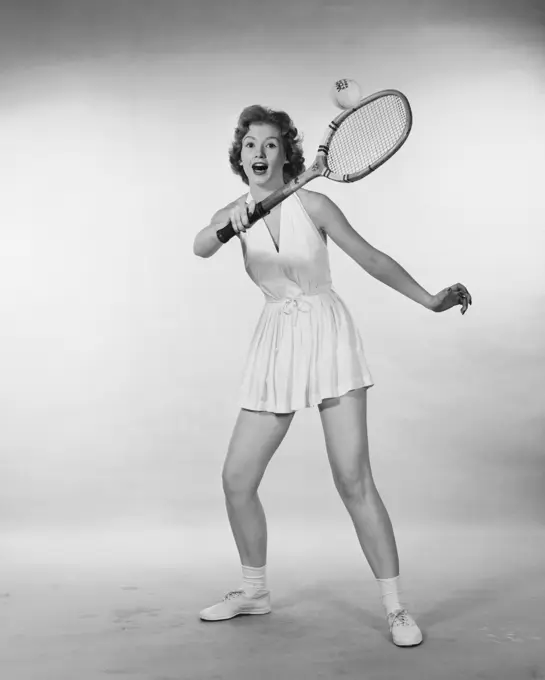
[(125, 603)]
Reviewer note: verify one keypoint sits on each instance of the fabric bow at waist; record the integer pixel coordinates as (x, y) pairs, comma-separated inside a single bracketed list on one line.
[(293, 305)]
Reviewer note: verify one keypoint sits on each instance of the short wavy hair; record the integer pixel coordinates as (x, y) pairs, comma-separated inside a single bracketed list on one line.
[(295, 161)]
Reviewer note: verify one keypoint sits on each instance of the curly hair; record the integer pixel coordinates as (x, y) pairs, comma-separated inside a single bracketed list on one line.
[(295, 161)]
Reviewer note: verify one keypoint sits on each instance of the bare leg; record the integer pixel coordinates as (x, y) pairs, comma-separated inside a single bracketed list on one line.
[(249, 527), (374, 530), (344, 421), (256, 437)]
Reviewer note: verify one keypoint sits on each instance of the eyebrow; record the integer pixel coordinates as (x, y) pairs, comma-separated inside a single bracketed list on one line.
[(270, 137)]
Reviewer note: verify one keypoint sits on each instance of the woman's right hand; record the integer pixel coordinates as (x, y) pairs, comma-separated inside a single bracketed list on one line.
[(239, 215)]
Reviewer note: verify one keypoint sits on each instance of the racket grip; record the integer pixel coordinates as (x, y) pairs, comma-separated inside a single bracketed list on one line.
[(226, 233)]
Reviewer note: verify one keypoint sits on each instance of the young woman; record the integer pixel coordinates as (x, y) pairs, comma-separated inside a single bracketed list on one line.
[(306, 351)]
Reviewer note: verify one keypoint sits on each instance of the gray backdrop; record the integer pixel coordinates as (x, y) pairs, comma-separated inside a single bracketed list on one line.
[(121, 353)]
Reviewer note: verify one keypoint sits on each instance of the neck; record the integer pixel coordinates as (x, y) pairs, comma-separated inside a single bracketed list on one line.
[(261, 191)]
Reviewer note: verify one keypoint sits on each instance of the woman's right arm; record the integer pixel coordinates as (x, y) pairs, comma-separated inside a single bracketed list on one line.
[(206, 242)]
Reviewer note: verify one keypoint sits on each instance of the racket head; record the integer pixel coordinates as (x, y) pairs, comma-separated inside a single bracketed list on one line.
[(362, 138)]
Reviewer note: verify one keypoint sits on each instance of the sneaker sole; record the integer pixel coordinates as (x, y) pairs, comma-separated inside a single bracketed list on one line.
[(409, 644), (225, 618)]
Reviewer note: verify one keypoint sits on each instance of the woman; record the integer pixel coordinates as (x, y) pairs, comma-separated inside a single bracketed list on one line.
[(306, 351)]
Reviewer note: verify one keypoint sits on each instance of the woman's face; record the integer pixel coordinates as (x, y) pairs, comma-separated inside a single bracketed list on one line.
[(262, 155)]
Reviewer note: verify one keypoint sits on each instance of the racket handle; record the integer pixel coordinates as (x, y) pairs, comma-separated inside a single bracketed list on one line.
[(226, 233)]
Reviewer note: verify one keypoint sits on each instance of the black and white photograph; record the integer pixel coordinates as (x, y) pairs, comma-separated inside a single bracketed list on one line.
[(272, 340)]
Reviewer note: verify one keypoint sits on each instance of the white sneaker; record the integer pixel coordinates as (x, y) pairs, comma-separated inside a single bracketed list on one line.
[(238, 602), (405, 632)]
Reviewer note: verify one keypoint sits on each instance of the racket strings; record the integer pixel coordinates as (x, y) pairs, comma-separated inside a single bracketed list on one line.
[(366, 135)]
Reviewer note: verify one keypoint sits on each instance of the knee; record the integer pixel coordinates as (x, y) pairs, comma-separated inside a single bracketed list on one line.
[(355, 489), (236, 485)]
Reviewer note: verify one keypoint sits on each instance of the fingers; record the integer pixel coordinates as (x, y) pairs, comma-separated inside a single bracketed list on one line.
[(239, 218), (455, 295), (463, 296)]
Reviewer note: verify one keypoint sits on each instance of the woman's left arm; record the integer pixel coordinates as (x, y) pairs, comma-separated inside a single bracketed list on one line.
[(380, 265)]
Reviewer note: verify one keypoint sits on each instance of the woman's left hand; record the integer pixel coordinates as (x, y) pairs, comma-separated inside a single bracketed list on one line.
[(450, 297)]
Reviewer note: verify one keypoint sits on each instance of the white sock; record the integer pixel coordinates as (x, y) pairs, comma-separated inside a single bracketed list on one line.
[(253, 578), (389, 593)]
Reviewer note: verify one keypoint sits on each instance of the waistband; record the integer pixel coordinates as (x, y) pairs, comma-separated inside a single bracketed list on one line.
[(297, 303), (320, 291)]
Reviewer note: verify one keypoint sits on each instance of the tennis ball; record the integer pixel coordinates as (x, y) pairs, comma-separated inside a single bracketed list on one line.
[(345, 93)]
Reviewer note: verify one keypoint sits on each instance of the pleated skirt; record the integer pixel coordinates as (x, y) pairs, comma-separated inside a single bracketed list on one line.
[(304, 350)]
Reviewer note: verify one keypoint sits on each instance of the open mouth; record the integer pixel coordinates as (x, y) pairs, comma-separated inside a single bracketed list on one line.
[(259, 168)]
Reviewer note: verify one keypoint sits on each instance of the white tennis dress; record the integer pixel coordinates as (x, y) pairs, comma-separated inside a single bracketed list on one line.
[(306, 346)]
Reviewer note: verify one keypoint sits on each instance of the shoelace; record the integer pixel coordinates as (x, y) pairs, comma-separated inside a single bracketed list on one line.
[(233, 593), (402, 616)]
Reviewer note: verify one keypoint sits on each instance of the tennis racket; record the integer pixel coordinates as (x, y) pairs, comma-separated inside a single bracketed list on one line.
[(357, 142)]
